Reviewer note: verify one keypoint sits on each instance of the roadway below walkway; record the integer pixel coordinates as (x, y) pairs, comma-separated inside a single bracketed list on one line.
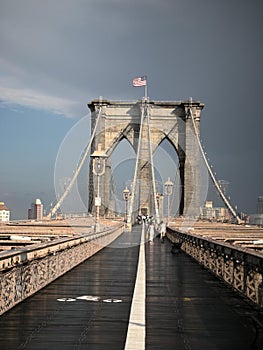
[(106, 304)]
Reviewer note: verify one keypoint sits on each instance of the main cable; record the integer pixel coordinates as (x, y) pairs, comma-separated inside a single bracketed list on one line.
[(221, 193)]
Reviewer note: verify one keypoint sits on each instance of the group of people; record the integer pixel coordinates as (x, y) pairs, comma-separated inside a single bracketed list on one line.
[(144, 219), (152, 227), (161, 229)]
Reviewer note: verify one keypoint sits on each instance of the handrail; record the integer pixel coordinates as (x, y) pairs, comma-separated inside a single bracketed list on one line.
[(79, 239)]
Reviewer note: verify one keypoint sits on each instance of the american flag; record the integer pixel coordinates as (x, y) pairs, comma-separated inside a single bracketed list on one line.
[(140, 81)]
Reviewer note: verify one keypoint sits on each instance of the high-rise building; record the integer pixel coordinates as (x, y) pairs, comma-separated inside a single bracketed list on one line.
[(4, 213), (36, 210), (260, 205), (257, 219)]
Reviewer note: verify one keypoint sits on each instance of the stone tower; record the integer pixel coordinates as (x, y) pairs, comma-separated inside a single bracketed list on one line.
[(169, 120)]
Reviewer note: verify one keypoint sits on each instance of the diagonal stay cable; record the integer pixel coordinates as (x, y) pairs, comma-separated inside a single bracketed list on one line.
[(84, 157)]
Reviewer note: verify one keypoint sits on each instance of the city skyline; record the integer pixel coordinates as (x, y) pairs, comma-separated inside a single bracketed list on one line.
[(57, 57)]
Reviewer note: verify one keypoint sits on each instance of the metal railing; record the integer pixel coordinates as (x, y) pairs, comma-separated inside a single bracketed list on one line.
[(238, 267)]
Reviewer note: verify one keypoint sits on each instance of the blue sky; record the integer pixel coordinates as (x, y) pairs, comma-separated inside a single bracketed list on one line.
[(29, 140), (56, 56)]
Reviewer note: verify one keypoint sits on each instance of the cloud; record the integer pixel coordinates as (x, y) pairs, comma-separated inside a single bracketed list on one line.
[(71, 51), (36, 99)]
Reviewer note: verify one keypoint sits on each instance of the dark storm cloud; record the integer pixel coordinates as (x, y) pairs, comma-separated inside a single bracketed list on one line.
[(58, 55), (75, 46)]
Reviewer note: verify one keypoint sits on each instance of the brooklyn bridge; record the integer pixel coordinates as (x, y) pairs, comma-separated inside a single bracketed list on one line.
[(98, 280)]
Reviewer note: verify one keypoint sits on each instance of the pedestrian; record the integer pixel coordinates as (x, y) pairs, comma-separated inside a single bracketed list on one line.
[(151, 232), (162, 231)]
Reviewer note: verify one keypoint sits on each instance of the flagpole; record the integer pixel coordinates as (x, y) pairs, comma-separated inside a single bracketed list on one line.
[(141, 81)]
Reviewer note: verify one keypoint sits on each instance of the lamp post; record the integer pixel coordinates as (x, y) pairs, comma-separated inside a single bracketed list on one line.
[(168, 186), (126, 195), (157, 196), (158, 200), (98, 168)]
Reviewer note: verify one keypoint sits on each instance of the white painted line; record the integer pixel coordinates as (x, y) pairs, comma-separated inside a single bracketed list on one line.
[(135, 339)]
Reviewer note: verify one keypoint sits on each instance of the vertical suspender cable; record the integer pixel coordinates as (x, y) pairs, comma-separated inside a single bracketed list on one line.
[(85, 154)]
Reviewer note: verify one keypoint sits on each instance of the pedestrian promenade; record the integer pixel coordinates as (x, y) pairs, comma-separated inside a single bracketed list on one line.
[(132, 296), (188, 308)]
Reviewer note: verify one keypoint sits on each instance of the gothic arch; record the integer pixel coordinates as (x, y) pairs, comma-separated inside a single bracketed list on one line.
[(168, 120)]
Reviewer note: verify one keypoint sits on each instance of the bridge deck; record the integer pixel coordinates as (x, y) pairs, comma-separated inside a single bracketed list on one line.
[(242, 236), (89, 307)]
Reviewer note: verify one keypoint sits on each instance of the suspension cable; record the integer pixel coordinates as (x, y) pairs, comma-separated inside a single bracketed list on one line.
[(177, 174), (114, 191), (152, 167), (221, 193), (71, 183), (129, 216)]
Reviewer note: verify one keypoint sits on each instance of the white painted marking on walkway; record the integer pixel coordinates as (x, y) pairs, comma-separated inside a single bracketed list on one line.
[(112, 301), (66, 299), (135, 339), (88, 298), (91, 298)]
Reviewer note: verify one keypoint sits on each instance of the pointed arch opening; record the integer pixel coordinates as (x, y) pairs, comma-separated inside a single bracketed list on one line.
[(123, 160), (166, 166)]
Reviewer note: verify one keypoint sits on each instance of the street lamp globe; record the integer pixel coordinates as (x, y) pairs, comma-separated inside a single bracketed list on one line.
[(126, 193), (168, 185)]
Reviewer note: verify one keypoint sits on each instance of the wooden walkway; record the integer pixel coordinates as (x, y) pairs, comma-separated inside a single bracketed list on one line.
[(249, 237), (184, 306)]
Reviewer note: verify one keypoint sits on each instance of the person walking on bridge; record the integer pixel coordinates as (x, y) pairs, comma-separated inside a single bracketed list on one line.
[(151, 231), (162, 230)]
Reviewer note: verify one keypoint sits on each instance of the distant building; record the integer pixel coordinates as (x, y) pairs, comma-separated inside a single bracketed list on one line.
[(208, 212), (36, 211), (260, 205), (4, 213), (257, 219)]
